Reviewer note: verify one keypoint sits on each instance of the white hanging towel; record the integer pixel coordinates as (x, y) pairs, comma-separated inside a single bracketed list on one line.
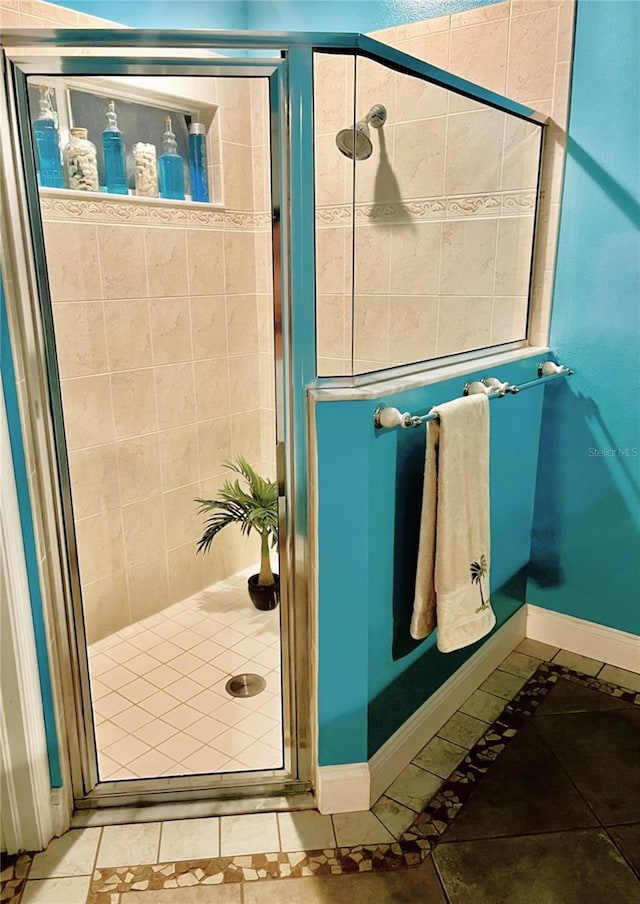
[(452, 579)]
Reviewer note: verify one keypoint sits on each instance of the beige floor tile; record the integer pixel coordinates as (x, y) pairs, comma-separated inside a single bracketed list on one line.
[(206, 760), (624, 678), (414, 787), (251, 834), (502, 684), (126, 750), (306, 830), (537, 649), (483, 706), (150, 765), (202, 894), (463, 730), (395, 816), (190, 839), (360, 828), (73, 854), (521, 665), (440, 757), (57, 891), (129, 845), (578, 663)]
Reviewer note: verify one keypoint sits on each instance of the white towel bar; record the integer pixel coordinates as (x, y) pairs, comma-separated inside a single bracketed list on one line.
[(388, 418)]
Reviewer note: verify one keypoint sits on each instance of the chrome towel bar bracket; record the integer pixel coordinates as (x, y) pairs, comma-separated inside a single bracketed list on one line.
[(388, 418)]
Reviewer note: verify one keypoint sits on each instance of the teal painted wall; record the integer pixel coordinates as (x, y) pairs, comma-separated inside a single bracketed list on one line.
[(17, 453), (264, 15), (372, 676), (586, 536)]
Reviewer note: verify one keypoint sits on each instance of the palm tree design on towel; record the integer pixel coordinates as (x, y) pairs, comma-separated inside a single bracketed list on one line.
[(478, 571)]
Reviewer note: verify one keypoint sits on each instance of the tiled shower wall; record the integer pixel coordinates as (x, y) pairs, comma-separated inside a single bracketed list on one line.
[(164, 373), (442, 235)]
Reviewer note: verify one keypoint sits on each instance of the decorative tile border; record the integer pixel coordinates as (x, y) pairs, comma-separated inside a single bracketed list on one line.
[(96, 209), (452, 207), (409, 850)]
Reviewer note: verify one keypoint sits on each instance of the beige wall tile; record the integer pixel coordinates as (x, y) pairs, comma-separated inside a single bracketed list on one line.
[(244, 383), (238, 176), (330, 326), (479, 15), (235, 109), (333, 255), (185, 572), (175, 395), (261, 168), (242, 324), (166, 256), (566, 17), (513, 256), (209, 326), (239, 263), (170, 330), (122, 261), (142, 529), (100, 548), (73, 263), (423, 27), (206, 262), (418, 158), (375, 84), (245, 435), (415, 252), (268, 437), (106, 606), (333, 92), (372, 259), (561, 94), (375, 178), (214, 445), (413, 323), (212, 388), (182, 522), (128, 334), (138, 467), (10, 18), (87, 410), (532, 50), (80, 338), (334, 172), (264, 262), (463, 323), (474, 151), (94, 480), (371, 327), (134, 402), (508, 319), (49, 11), (179, 456), (267, 381), (148, 587), (468, 257), (432, 48), (479, 53), (518, 7), (265, 323), (417, 99), (521, 154)]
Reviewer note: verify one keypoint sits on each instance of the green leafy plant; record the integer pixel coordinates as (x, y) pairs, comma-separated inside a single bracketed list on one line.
[(254, 507)]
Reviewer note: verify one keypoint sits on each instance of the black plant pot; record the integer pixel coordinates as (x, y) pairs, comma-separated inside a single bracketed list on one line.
[(264, 597)]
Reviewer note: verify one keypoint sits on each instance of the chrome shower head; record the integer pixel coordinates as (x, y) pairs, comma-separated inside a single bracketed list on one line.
[(355, 143)]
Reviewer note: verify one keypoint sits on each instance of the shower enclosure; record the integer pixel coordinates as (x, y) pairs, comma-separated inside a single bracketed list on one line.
[(176, 335)]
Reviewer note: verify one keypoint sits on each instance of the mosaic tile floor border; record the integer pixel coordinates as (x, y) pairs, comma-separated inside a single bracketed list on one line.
[(409, 849)]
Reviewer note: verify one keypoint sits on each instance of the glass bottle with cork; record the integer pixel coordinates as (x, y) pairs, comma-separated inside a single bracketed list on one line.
[(115, 167), (171, 166), (47, 143)]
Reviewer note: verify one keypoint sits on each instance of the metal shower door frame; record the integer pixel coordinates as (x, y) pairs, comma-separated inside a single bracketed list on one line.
[(88, 791)]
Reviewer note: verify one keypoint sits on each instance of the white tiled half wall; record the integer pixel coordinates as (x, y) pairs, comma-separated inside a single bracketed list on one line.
[(158, 688)]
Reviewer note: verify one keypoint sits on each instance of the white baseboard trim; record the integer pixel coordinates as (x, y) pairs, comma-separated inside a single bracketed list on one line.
[(389, 761), (342, 789), (583, 637)]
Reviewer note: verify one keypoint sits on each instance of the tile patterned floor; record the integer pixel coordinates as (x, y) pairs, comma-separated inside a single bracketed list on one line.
[(221, 861), (159, 695)]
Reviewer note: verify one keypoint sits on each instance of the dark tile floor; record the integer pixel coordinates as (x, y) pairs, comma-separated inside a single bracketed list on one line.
[(556, 820)]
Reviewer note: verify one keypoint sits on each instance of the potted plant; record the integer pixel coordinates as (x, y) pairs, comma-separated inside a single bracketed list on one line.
[(254, 508)]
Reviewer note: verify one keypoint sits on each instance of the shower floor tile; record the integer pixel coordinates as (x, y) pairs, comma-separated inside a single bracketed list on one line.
[(160, 696)]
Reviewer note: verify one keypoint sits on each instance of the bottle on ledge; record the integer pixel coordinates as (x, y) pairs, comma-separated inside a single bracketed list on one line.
[(171, 166), (198, 162), (115, 167), (47, 143)]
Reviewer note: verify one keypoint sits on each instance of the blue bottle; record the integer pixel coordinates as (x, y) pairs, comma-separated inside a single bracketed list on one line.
[(171, 166), (198, 162), (47, 144), (115, 167)]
